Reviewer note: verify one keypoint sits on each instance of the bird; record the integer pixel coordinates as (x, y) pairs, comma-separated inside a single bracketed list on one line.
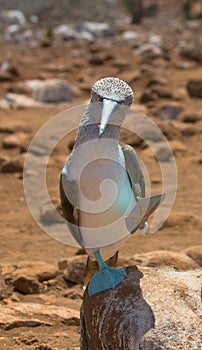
[(102, 186)]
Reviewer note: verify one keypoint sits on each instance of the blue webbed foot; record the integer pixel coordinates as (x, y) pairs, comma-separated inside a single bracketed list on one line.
[(107, 278)]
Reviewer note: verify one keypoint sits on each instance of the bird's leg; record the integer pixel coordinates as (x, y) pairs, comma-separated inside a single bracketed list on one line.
[(107, 278)]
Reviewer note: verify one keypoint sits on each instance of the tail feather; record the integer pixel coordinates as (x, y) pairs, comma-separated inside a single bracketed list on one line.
[(141, 212)]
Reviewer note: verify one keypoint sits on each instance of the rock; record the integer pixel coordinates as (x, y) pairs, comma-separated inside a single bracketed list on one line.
[(97, 59), (192, 52), (67, 32), (130, 76), (75, 269), (157, 81), (27, 276), (182, 220), (164, 154), (9, 319), (12, 16), (155, 39), (162, 92), (15, 140), (5, 76), (191, 118), (149, 51), (39, 270), (73, 293), (184, 65), (52, 90), (151, 309), (98, 28), (64, 313), (121, 63), (43, 91), (195, 253), (26, 285), (11, 166), (177, 147), (148, 96), (169, 112), (194, 88), (3, 287), (130, 35), (180, 94), (17, 101), (161, 258)]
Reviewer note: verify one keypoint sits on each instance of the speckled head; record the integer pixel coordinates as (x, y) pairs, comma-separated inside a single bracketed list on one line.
[(112, 89)]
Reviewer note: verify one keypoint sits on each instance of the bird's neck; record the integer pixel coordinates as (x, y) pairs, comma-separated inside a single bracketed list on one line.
[(88, 132)]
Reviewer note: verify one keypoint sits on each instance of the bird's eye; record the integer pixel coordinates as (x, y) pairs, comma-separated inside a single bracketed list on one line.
[(101, 99)]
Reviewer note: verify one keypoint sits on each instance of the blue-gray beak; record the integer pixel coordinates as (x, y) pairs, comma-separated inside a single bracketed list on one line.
[(108, 107)]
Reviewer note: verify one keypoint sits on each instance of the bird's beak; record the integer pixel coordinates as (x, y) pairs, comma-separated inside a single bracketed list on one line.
[(108, 107)]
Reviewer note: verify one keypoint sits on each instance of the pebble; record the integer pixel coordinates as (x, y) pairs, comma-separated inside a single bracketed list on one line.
[(195, 253), (75, 269), (11, 166), (194, 88), (169, 112), (15, 140), (52, 90)]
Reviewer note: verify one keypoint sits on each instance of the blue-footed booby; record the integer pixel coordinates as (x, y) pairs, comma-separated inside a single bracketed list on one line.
[(102, 187)]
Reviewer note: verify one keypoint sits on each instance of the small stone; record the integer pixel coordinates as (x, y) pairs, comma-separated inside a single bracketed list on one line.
[(97, 59), (160, 258), (193, 52), (162, 92), (191, 118), (177, 146), (194, 88), (11, 166), (75, 269), (18, 101), (130, 76), (130, 35), (180, 94), (121, 63), (148, 96), (149, 51), (3, 287), (26, 285), (157, 81), (195, 253), (169, 112), (62, 264), (15, 140), (52, 90), (5, 76)]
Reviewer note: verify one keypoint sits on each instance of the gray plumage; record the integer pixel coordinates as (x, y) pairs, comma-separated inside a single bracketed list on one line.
[(98, 136)]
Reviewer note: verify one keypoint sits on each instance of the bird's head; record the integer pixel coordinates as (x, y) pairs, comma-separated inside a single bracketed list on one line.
[(113, 95)]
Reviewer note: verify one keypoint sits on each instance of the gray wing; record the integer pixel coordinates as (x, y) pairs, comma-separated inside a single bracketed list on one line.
[(70, 212), (146, 205), (134, 170)]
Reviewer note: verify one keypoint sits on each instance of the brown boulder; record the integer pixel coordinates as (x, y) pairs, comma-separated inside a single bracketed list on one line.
[(161, 258)]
